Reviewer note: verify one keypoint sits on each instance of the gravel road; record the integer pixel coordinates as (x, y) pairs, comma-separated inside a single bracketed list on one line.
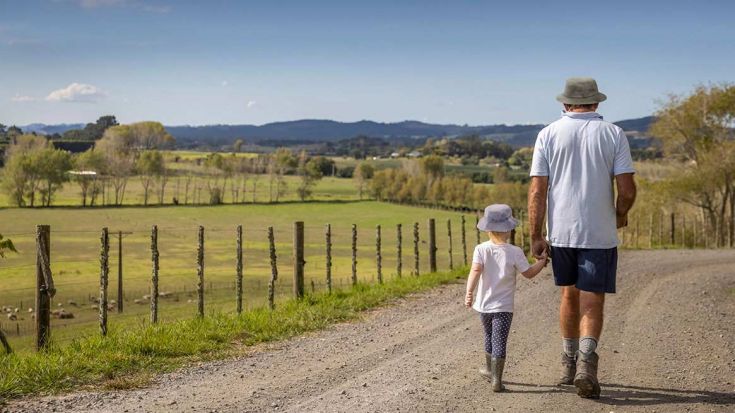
[(668, 346)]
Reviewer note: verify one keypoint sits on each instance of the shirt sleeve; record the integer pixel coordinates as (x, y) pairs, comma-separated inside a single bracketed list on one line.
[(623, 161), (478, 257), (522, 264), (539, 164)]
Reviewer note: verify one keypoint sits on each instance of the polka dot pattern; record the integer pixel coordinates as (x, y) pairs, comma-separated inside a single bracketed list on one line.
[(497, 328)]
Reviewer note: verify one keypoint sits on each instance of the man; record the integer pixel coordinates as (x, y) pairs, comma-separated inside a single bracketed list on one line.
[(574, 163)]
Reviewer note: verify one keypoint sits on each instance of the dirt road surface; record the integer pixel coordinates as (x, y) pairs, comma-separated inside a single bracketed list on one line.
[(667, 346)]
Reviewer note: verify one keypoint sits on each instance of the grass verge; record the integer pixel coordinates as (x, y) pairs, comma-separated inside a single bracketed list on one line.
[(127, 358)]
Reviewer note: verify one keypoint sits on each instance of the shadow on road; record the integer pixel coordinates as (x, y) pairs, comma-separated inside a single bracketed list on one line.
[(622, 395)]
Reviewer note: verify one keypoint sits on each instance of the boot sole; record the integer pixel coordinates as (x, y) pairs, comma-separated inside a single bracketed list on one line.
[(587, 389)]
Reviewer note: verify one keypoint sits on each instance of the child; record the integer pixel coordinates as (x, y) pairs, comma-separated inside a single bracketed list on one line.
[(493, 274)]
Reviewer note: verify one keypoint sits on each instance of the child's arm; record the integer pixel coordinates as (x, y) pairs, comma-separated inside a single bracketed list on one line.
[(472, 281), (536, 268)]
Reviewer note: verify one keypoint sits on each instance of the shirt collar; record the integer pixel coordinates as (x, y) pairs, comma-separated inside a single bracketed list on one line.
[(581, 115)]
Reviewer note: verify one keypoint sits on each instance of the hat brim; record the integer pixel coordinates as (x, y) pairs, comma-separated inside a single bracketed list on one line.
[(504, 226), (587, 100)]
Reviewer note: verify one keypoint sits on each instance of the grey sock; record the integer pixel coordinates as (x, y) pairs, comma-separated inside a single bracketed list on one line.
[(571, 345), (587, 345)]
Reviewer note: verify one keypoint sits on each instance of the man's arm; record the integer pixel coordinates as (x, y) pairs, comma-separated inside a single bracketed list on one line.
[(626, 197), (537, 194)]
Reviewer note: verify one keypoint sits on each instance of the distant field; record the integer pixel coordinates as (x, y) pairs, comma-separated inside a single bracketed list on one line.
[(75, 247), (326, 189)]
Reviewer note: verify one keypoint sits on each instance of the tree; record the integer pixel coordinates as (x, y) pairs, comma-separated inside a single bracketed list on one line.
[(697, 130), (121, 146), (151, 135), (363, 173), (521, 158), (237, 146), (53, 165), (22, 172), (432, 166), (89, 165), (150, 167), (309, 174), (500, 175), (119, 149)]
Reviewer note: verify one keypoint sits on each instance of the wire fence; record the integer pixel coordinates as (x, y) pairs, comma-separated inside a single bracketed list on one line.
[(75, 264)]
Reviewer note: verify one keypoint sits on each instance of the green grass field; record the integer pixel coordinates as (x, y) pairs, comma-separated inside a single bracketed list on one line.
[(327, 188), (75, 245)]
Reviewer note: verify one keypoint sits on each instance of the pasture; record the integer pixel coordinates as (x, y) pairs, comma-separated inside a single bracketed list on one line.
[(75, 246)]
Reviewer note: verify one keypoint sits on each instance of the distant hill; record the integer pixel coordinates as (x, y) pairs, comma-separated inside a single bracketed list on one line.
[(317, 130), (51, 129)]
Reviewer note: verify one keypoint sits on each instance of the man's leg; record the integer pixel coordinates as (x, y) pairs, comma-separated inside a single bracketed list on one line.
[(564, 264), (598, 269), (590, 324), (569, 327), (569, 312)]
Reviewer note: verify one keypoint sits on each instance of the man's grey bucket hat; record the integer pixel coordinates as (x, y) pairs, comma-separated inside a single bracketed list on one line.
[(581, 91), (498, 218)]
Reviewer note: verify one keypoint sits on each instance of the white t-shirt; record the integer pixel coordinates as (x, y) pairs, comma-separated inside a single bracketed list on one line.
[(496, 288), (581, 154)]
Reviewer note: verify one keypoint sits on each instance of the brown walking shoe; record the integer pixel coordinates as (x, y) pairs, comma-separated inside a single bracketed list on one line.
[(568, 369), (585, 380)]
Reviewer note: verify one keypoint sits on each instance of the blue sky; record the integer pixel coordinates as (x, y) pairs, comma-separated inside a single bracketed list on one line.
[(474, 62)]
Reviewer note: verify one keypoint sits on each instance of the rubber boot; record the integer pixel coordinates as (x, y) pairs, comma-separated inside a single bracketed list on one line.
[(496, 368), (485, 371), (568, 369), (586, 378)]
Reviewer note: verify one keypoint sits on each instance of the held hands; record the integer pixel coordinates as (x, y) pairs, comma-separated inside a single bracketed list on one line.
[(540, 248), (468, 298)]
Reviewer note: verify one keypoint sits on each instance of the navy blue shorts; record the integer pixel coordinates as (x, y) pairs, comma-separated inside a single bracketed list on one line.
[(591, 270)]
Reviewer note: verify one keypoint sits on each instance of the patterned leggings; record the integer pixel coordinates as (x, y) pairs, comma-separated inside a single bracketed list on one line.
[(497, 327)]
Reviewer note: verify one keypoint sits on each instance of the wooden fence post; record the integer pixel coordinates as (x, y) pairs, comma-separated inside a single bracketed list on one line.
[(154, 274), (298, 259), (119, 273), (45, 289), (378, 255), (354, 254), (104, 274), (521, 227), (5, 343), (432, 245), (673, 230), (683, 231), (449, 250), (477, 230), (650, 232), (200, 272), (238, 269), (416, 248), (328, 234), (635, 234), (274, 270), (464, 241), (399, 250), (660, 229)]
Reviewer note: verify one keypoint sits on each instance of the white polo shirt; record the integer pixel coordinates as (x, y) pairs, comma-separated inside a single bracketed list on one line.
[(581, 154)]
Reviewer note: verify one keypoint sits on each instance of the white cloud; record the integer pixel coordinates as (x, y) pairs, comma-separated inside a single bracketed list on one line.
[(77, 92), (224, 83), (22, 98), (251, 103)]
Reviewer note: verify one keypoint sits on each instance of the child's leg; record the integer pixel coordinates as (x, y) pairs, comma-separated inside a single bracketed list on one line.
[(487, 324), (500, 330)]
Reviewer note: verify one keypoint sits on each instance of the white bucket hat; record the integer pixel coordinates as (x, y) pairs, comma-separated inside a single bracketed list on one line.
[(498, 218)]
